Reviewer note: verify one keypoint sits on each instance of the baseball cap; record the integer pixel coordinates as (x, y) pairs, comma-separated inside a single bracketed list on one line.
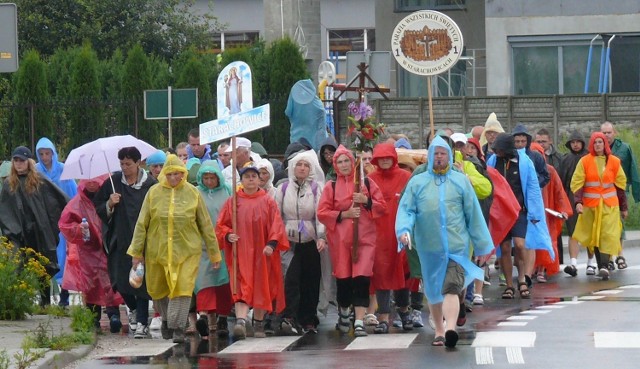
[(240, 142), (248, 168), (459, 137), (21, 152)]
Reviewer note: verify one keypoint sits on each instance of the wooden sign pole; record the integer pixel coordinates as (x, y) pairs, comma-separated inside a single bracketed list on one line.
[(234, 214), (431, 124)]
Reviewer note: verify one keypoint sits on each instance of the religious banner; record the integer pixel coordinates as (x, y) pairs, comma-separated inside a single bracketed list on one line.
[(234, 125), (427, 43), (234, 89)]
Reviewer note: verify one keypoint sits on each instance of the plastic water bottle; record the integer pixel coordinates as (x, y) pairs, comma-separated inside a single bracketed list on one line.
[(86, 234)]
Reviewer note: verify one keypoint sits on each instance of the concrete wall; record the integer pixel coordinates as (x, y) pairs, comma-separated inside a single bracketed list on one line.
[(238, 15), (506, 18), (560, 114)]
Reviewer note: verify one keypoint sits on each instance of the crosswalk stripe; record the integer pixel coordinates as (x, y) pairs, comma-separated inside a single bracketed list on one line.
[(512, 324), (616, 339), (631, 286), (551, 307), (514, 355), (569, 302), (387, 341), (536, 312), (608, 292), (484, 356), (141, 348), (590, 298), (504, 339), (522, 317), (255, 345)]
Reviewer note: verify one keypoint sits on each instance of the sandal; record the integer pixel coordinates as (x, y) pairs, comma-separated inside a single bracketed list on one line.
[(509, 293), (381, 328), (344, 322), (359, 331), (370, 320), (524, 292), (621, 262), (591, 270), (438, 341)]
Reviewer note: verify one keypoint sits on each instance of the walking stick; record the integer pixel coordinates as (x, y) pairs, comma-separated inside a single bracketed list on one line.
[(234, 216), (356, 189)]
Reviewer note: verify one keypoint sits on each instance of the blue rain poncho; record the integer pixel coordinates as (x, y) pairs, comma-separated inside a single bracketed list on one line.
[(442, 213)]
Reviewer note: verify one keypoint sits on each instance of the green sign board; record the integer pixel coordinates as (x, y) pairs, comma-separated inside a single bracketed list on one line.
[(8, 38), (183, 104)]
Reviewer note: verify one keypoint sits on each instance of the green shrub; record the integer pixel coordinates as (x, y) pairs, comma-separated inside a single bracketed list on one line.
[(22, 276)]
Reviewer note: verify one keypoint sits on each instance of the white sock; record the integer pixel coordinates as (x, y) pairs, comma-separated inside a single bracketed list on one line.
[(574, 261), (358, 322), (591, 262)]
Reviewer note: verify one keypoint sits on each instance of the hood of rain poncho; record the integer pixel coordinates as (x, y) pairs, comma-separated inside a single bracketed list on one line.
[(68, 186), (475, 142), (266, 164), (329, 142), (172, 165), (403, 143), (385, 150), (191, 162), (438, 142), (341, 150), (158, 157), (491, 125), (99, 179), (258, 149), (211, 166), (520, 130), (575, 136), (504, 141), (537, 147), (315, 171), (592, 141)]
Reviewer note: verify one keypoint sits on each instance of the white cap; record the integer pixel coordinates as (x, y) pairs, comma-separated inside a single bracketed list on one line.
[(240, 142), (459, 137)]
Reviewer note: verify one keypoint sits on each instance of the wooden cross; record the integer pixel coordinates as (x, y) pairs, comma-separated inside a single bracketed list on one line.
[(361, 89)]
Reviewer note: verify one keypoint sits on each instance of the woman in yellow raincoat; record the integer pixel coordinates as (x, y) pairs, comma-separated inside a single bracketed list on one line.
[(598, 185), (172, 224)]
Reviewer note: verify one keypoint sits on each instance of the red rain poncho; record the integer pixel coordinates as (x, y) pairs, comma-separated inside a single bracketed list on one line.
[(86, 264)]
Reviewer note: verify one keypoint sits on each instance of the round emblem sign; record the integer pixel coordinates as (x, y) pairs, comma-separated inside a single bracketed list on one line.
[(427, 43)]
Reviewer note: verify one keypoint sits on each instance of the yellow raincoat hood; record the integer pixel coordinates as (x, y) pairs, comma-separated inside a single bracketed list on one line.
[(172, 165)]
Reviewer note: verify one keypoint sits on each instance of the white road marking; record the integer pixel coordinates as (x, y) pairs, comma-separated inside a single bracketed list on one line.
[(616, 339), (253, 345), (504, 339), (512, 324), (522, 317), (379, 341), (591, 298), (514, 355), (537, 312), (142, 348), (569, 302), (631, 286), (484, 356), (551, 307), (608, 292)]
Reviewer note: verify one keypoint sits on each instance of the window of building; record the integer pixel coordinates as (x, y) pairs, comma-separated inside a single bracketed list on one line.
[(414, 5), (233, 39), (558, 64), (341, 41)]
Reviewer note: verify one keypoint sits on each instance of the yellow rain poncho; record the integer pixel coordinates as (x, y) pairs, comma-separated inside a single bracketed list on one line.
[(169, 232)]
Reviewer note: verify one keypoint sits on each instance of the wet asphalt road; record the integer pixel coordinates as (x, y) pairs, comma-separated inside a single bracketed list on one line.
[(580, 322)]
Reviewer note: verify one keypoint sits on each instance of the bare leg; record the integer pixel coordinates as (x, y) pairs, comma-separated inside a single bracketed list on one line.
[(451, 308), (506, 263), (436, 312)]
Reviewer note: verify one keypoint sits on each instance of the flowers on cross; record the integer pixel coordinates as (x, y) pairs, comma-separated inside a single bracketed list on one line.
[(363, 129)]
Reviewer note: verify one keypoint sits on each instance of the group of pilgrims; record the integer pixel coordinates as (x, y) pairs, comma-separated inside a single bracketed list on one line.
[(375, 233)]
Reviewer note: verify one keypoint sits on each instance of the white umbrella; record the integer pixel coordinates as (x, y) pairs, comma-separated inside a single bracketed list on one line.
[(100, 157)]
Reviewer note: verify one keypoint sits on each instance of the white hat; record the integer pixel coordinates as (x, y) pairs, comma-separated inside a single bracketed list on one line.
[(240, 142), (459, 137)]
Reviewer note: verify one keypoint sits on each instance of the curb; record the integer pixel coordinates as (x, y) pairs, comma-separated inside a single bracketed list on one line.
[(54, 359)]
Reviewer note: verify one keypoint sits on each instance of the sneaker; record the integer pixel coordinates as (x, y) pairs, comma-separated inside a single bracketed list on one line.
[(167, 333), (202, 325), (239, 330), (591, 270), (416, 317), (397, 323), (487, 281), (571, 270), (541, 278), (310, 328), (478, 299), (222, 327), (155, 324), (288, 327), (604, 274), (142, 331), (502, 279), (462, 316), (178, 335), (114, 324), (258, 329), (407, 320), (370, 320), (133, 321), (611, 265)]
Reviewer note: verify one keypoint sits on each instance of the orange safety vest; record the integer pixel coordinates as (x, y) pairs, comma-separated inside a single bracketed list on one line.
[(596, 188)]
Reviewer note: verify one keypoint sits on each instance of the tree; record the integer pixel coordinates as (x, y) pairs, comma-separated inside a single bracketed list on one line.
[(162, 27), (86, 120), (32, 94)]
